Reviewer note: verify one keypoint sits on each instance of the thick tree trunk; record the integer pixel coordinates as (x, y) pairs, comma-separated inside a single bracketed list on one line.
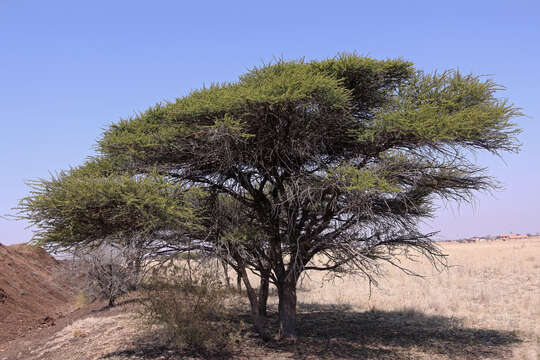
[(263, 293), (287, 309)]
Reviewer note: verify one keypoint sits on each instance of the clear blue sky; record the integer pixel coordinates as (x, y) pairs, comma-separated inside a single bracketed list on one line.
[(70, 68)]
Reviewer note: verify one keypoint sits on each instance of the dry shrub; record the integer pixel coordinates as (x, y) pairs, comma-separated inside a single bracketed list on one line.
[(102, 273), (77, 333), (192, 308)]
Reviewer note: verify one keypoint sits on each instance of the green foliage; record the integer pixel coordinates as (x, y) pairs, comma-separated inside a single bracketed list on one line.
[(229, 126), (343, 104), (362, 180), (92, 203), (283, 88), (447, 108)]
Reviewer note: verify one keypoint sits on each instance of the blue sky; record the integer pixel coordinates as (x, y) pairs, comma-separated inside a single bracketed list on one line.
[(68, 69)]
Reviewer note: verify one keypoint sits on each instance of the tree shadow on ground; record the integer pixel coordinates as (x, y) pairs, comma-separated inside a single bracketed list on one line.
[(335, 332), (100, 306), (329, 332)]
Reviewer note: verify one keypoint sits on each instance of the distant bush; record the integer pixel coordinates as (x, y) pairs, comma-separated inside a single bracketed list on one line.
[(192, 308)]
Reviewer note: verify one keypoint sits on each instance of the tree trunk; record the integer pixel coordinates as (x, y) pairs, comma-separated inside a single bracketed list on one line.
[(138, 265), (258, 319), (263, 293), (135, 277), (239, 282), (226, 273), (287, 309)]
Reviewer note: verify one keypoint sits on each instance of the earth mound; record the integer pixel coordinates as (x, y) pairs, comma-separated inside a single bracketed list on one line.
[(31, 294)]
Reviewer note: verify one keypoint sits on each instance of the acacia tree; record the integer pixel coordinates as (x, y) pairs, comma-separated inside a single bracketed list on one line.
[(332, 163)]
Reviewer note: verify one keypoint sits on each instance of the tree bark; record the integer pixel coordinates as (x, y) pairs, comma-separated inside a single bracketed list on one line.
[(263, 293), (258, 319), (136, 276), (226, 274), (239, 282), (287, 309)]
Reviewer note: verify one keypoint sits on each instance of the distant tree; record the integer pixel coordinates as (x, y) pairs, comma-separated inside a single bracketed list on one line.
[(330, 165)]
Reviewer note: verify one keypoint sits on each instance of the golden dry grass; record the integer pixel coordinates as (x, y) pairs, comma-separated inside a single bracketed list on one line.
[(489, 286), (93, 337)]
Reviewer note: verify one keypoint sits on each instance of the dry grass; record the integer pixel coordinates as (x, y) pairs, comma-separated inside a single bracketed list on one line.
[(89, 339), (490, 286)]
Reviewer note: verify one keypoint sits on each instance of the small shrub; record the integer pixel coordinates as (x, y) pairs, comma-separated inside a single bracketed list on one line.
[(191, 307), (77, 333), (103, 273)]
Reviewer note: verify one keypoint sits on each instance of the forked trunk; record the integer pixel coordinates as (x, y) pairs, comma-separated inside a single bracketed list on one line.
[(287, 309)]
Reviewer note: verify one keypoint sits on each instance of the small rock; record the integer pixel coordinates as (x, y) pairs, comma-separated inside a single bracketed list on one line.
[(48, 321)]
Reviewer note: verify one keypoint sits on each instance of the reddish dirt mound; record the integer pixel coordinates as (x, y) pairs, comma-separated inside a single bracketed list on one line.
[(30, 296)]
